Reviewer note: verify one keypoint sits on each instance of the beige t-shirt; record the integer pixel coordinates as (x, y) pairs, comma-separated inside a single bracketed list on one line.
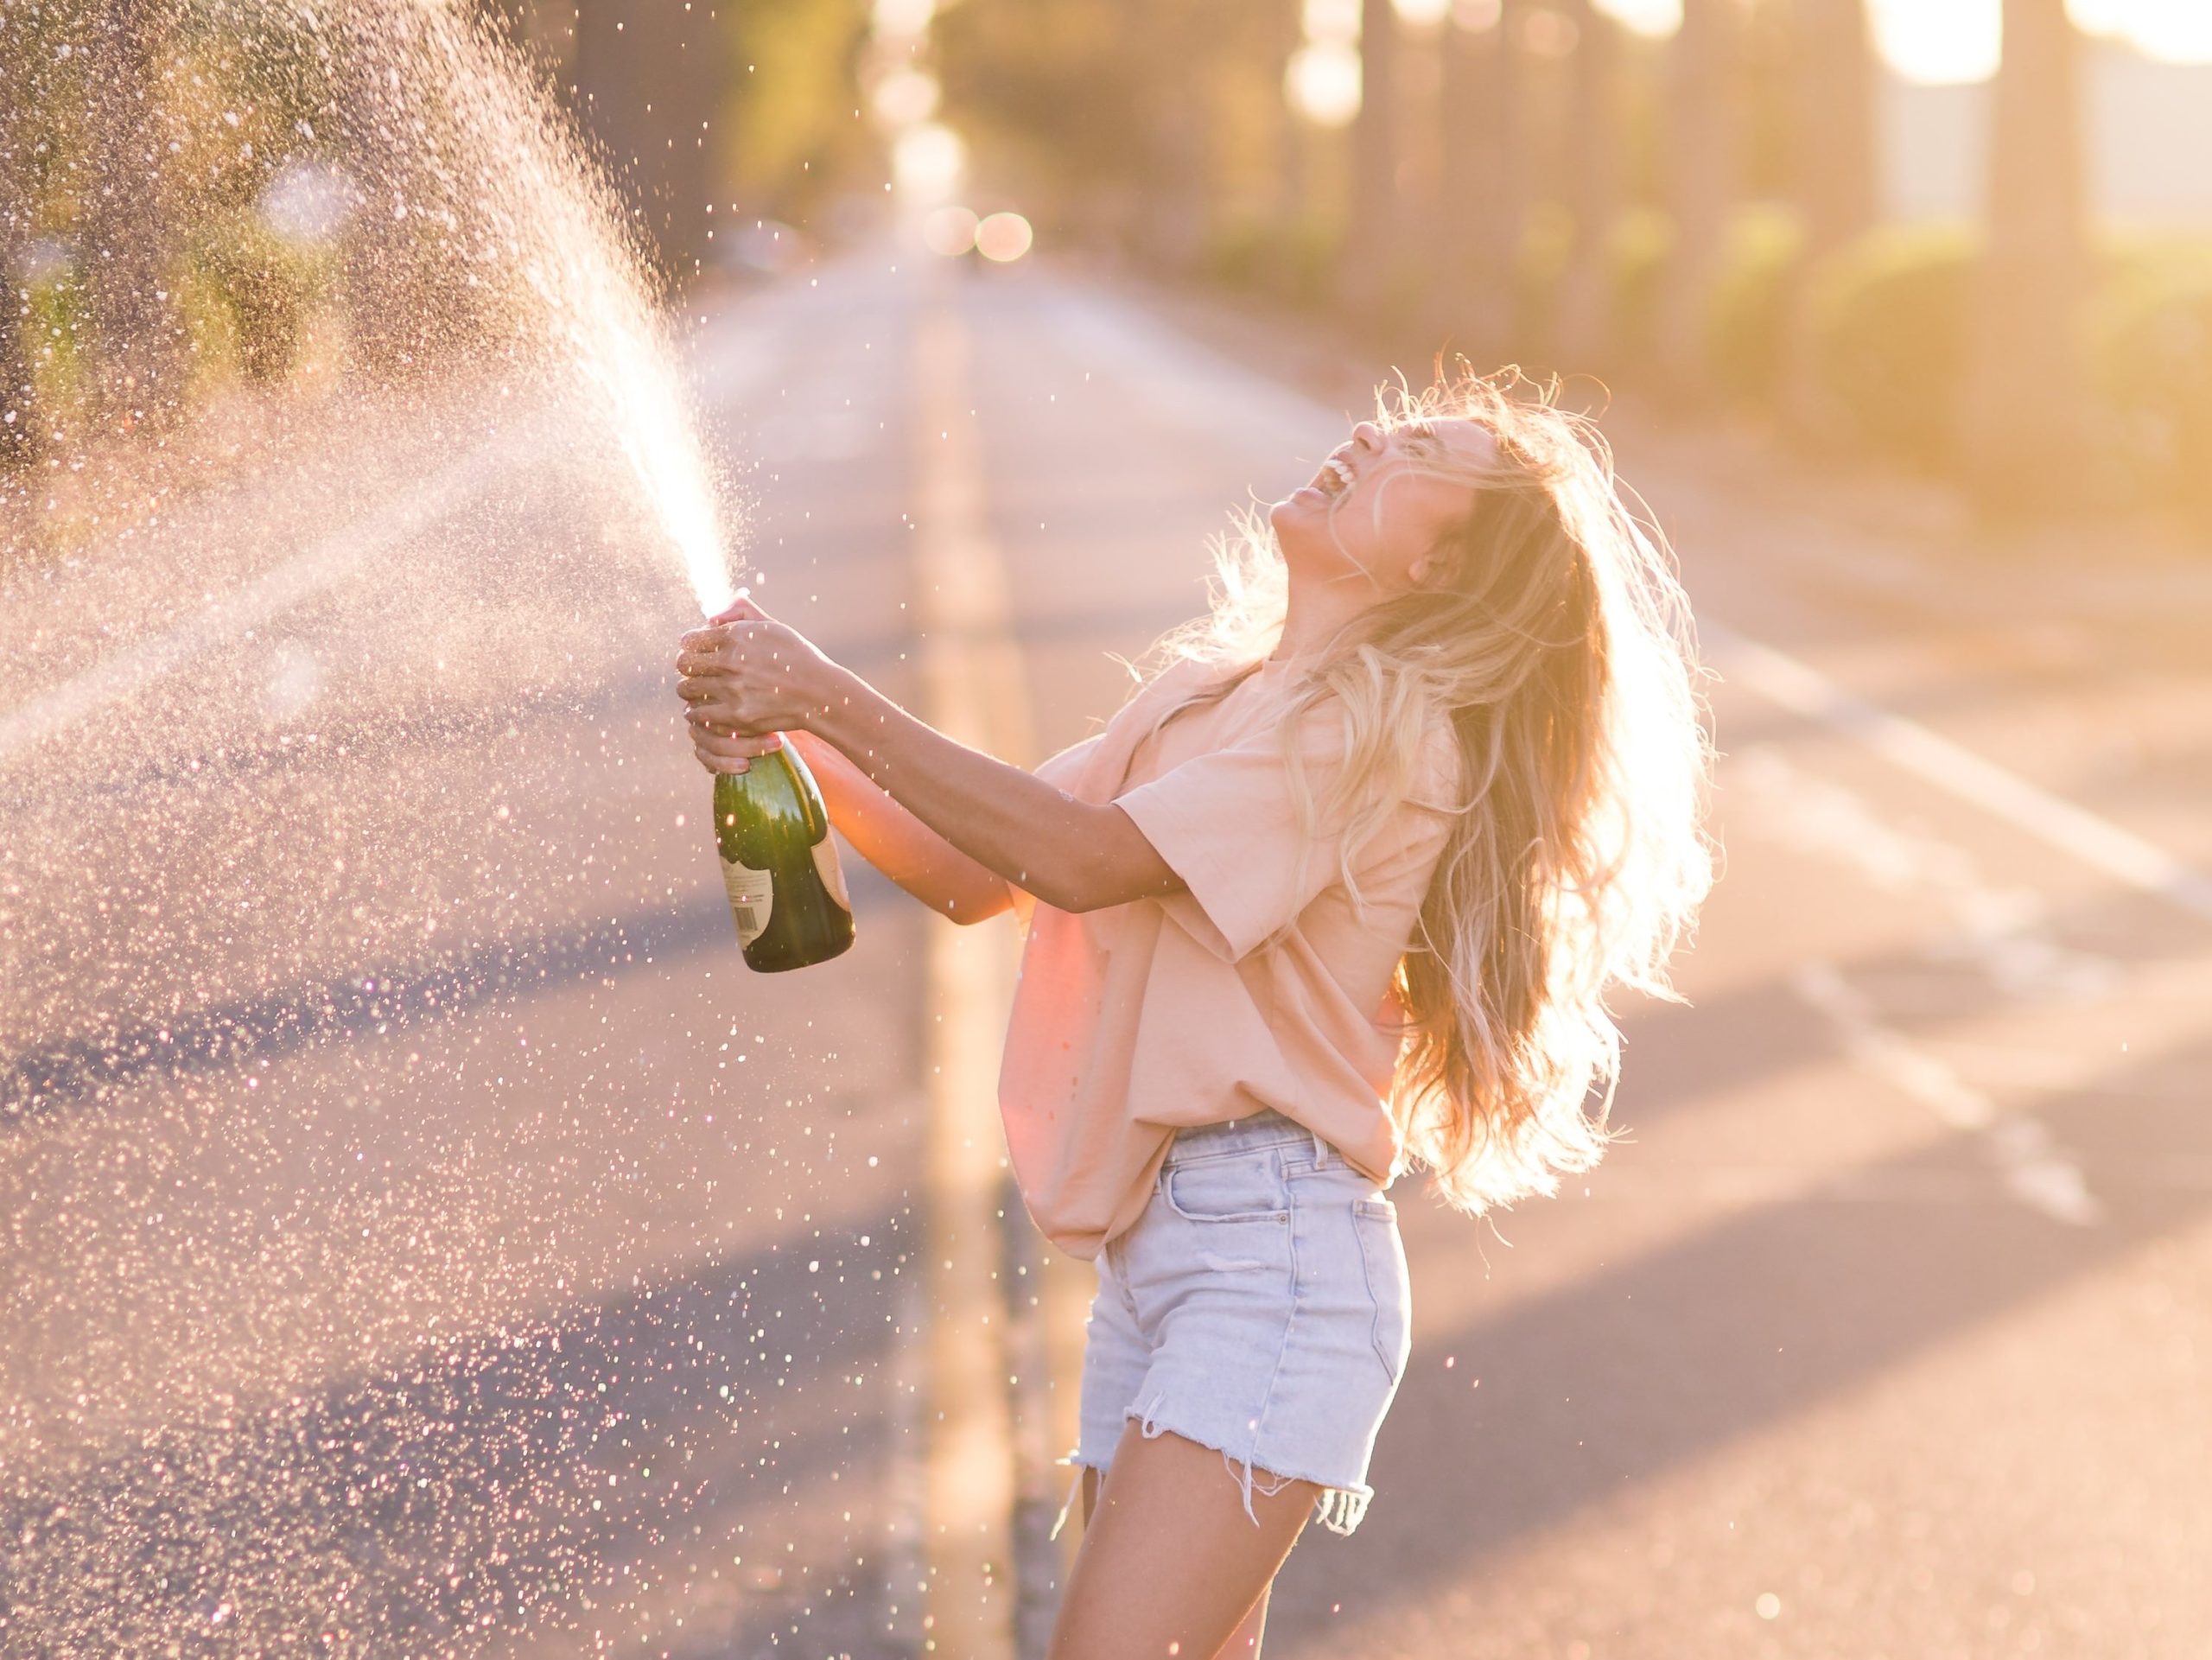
[(1246, 991)]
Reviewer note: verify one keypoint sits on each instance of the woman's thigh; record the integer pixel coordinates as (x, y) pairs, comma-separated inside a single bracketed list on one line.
[(1169, 1556)]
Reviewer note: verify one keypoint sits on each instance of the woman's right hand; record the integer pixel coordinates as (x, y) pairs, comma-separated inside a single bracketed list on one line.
[(718, 753), (739, 673)]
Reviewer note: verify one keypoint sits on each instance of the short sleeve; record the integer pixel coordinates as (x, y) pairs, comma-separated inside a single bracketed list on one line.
[(1067, 767), (1228, 823)]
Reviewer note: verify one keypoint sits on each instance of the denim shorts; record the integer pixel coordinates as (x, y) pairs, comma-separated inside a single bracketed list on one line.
[(1260, 1306)]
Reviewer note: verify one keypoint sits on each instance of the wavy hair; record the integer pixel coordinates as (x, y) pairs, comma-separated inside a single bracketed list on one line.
[(1553, 641)]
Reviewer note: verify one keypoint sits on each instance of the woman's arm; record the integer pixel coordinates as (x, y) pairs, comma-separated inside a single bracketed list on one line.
[(898, 844), (746, 676), (881, 831)]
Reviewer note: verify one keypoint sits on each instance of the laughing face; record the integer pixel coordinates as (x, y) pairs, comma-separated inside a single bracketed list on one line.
[(1381, 503)]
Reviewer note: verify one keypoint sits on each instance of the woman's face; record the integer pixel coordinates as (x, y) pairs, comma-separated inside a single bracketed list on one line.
[(1371, 513)]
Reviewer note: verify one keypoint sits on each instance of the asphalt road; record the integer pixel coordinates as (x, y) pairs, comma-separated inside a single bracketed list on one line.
[(423, 1234)]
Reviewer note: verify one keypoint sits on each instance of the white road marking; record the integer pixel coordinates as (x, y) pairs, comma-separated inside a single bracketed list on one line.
[(2028, 1163), (1959, 772), (2004, 933)]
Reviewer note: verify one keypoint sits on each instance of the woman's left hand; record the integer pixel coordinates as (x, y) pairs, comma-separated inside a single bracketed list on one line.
[(745, 676)]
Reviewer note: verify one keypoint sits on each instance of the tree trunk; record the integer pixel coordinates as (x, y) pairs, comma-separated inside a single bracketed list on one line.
[(1594, 191), (1177, 160), (2021, 412), (1290, 207), (1703, 131), (1369, 272), (19, 117), (649, 74), (1835, 165), (1478, 205), (128, 250), (1835, 148)]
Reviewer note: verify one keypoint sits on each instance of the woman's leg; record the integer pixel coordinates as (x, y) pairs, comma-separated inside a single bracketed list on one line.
[(1170, 1564), (1244, 1642)]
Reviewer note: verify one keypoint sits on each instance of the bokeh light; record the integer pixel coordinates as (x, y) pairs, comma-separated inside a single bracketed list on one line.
[(901, 20), (950, 230), (1003, 237), (1646, 16), (904, 98), (1958, 39), (1331, 21), (1421, 14), (927, 160), (1322, 81)]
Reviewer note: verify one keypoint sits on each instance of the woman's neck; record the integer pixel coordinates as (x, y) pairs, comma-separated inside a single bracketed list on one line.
[(1313, 612)]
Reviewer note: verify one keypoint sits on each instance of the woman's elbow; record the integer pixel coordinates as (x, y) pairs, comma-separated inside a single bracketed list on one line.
[(1101, 891), (968, 909)]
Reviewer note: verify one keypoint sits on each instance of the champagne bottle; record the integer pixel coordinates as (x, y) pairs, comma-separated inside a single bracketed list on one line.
[(780, 865)]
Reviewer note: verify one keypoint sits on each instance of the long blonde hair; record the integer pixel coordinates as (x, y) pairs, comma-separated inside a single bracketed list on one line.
[(1556, 642)]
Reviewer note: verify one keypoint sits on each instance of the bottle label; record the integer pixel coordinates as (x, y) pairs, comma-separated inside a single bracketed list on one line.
[(752, 896), (832, 874)]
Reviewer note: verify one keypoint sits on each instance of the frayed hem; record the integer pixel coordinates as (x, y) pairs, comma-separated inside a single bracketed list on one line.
[(1075, 1486), (1337, 1509)]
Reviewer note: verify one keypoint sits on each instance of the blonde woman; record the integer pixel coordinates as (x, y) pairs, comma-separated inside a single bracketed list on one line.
[(1339, 891)]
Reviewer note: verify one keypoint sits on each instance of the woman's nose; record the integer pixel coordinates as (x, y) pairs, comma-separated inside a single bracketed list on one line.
[(1366, 435)]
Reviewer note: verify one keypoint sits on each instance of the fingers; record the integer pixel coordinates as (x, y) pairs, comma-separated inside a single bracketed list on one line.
[(721, 647), (741, 609), (721, 753)]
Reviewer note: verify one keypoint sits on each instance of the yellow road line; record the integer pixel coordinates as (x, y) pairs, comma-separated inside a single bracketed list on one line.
[(971, 677)]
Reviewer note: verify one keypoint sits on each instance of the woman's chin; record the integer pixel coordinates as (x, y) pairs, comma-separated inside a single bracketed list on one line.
[(1303, 506)]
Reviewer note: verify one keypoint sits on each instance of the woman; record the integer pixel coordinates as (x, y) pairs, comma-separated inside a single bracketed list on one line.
[(1340, 890)]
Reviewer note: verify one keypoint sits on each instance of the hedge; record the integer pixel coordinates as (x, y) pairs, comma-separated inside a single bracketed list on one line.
[(1887, 316)]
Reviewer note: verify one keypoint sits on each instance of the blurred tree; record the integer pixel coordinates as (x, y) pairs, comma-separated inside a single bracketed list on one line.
[(1106, 112), (1700, 180), (20, 103), (1282, 35), (1594, 187), (2022, 423), (127, 230), (1482, 204), (1373, 250), (1832, 164), (1045, 87), (793, 129), (1834, 154), (650, 76)]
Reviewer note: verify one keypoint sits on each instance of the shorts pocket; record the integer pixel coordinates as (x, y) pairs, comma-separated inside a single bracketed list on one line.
[(1382, 1251), (1226, 1190)]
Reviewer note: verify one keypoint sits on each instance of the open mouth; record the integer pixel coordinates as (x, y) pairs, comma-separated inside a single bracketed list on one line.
[(1333, 478)]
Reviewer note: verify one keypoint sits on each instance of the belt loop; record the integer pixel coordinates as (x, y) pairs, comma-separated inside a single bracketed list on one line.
[(1320, 1148)]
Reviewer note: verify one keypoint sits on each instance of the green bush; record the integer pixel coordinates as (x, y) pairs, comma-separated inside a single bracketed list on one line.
[(1636, 255), (267, 289), (1747, 316), (1539, 270), (2151, 332), (1888, 318), (1291, 259), (55, 325)]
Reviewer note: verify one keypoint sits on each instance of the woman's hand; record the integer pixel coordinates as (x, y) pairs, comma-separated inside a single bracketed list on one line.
[(747, 678)]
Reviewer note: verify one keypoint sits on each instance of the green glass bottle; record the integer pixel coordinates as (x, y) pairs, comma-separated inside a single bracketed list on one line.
[(780, 865)]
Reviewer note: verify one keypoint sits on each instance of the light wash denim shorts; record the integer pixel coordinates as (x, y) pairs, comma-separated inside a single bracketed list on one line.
[(1260, 1306)]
